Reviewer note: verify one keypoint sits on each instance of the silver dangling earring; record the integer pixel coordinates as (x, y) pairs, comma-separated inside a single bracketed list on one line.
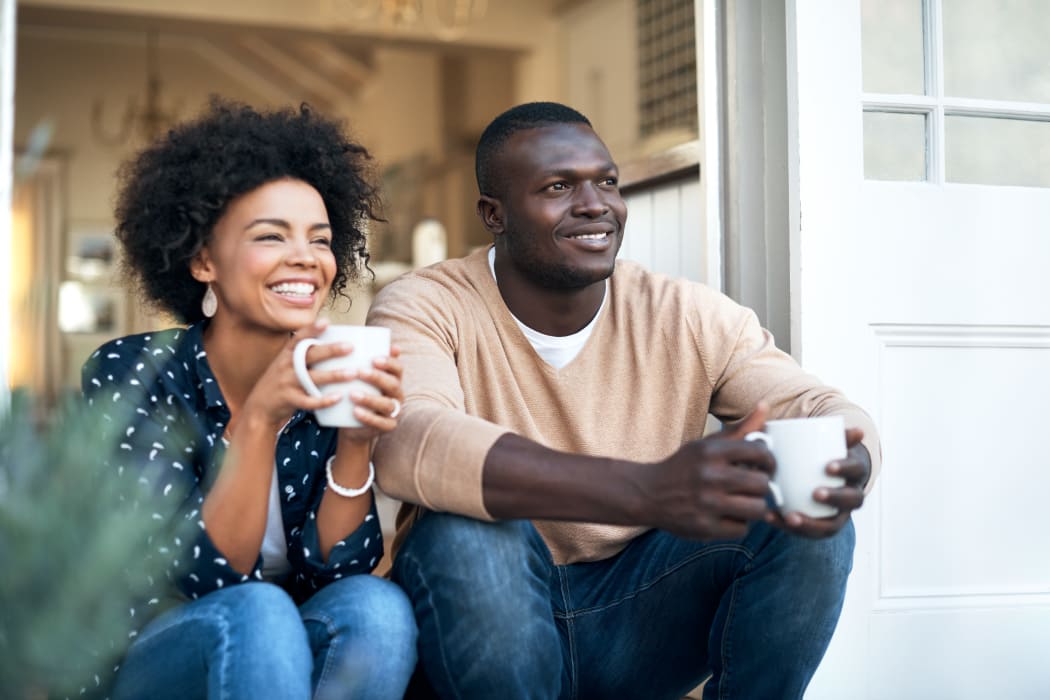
[(210, 303)]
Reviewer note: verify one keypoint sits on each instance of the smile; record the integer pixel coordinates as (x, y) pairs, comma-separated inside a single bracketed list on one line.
[(294, 289), (591, 236)]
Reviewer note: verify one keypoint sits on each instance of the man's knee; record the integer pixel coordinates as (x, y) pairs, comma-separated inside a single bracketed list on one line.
[(815, 568), (481, 593), (832, 555), (456, 550)]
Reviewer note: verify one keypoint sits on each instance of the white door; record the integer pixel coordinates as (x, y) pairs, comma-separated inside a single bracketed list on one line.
[(921, 286)]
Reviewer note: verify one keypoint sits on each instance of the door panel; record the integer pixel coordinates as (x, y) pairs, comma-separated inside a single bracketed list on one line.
[(931, 537), (928, 302)]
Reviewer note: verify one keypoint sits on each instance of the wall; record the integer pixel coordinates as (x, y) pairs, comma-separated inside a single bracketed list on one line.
[(599, 70), (661, 229), (395, 116), (60, 75)]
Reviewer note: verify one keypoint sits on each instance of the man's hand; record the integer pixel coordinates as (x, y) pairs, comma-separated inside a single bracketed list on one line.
[(715, 487), (855, 470)]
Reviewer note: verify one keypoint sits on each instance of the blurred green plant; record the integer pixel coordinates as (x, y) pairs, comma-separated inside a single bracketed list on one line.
[(75, 544)]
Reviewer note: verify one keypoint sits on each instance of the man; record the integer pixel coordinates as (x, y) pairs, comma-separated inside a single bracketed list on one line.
[(576, 537)]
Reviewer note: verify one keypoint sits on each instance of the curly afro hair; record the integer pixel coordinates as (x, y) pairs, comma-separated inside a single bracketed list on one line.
[(173, 192)]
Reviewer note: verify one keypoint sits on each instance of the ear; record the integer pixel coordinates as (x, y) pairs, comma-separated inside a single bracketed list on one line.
[(490, 211), (201, 266)]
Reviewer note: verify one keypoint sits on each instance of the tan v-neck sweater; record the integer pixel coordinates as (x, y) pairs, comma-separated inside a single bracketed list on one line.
[(663, 354)]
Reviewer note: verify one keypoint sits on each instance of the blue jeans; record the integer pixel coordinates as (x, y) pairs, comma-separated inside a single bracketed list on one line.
[(355, 638), (497, 618)]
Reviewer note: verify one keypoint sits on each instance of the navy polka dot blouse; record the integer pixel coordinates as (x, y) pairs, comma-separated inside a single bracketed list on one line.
[(171, 414)]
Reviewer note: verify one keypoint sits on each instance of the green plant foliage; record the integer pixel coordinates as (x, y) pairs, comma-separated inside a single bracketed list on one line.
[(75, 544)]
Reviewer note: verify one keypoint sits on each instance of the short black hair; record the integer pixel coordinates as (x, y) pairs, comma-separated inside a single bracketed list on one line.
[(174, 191), (531, 115)]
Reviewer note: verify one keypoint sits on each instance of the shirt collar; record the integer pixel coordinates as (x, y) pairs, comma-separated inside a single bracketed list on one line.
[(198, 361)]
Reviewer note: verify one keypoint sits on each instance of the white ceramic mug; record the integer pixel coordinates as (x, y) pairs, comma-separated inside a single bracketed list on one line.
[(369, 342), (803, 448)]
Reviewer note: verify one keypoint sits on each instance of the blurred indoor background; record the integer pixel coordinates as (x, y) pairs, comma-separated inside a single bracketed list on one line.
[(415, 80)]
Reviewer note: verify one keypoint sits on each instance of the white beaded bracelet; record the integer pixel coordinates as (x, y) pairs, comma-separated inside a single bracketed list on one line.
[(342, 490)]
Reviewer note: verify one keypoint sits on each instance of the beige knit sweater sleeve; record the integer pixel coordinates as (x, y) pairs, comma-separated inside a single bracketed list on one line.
[(436, 455), (751, 368)]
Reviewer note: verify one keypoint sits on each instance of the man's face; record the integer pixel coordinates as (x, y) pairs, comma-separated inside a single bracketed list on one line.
[(562, 213)]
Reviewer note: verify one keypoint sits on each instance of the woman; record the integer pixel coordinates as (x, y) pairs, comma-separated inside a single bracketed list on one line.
[(243, 224)]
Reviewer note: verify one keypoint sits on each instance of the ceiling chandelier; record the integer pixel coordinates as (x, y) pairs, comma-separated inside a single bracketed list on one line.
[(137, 123), (446, 19)]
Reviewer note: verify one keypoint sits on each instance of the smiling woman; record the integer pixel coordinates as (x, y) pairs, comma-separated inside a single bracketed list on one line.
[(244, 224), (269, 264)]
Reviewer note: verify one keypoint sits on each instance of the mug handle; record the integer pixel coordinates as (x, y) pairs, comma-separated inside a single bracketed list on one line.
[(774, 489), (299, 363)]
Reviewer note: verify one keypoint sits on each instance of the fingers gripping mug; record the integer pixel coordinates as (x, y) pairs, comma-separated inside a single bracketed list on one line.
[(369, 343), (803, 448)]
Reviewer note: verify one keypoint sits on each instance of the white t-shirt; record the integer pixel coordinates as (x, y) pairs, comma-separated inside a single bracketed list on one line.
[(556, 350), (274, 545), (274, 548)]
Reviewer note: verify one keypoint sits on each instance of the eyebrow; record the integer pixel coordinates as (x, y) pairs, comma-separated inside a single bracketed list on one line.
[(574, 172), (281, 223)]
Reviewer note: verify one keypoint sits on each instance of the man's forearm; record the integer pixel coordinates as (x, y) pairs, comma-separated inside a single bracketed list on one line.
[(523, 479)]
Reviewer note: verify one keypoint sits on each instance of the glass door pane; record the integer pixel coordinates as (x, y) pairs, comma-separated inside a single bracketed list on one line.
[(995, 151), (892, 45), (997, 50), (894, 146)]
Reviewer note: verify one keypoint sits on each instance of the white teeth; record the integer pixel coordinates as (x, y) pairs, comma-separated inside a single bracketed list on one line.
[(295, 288), (592, 236)]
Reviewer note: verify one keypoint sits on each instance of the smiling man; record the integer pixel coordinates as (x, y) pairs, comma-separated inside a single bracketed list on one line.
[(567, 530)]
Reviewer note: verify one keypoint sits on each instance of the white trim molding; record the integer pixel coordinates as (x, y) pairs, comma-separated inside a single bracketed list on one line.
[(958, 336)]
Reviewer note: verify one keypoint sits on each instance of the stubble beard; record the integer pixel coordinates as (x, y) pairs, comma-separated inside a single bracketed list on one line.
[(558, 276)]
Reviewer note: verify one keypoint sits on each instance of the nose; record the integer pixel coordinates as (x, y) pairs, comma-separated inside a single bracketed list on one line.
[(590, 201), (301, 253)]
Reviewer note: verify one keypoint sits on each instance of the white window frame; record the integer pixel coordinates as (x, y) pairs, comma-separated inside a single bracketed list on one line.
[(935, 106)]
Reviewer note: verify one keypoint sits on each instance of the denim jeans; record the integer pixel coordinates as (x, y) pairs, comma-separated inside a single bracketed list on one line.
[(355, 638), (497, 618)]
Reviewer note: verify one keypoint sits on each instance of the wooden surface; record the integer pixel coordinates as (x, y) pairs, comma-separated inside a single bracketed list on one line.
[(677, 162)]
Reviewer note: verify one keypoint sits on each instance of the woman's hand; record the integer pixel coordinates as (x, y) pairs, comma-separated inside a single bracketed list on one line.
[(278, 394), (377, 413)]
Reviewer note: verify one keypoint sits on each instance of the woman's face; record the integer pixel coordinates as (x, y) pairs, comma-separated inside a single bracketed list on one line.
[(270, 258)]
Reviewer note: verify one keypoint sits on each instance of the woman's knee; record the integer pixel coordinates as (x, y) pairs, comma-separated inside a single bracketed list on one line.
[(363, 633), (260, 603), (366, 606), (263, 617), (246, 638), (248, 609)]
